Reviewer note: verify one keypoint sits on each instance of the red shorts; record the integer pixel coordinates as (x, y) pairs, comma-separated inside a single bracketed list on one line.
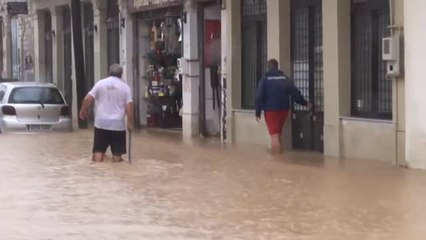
[(275, 120)]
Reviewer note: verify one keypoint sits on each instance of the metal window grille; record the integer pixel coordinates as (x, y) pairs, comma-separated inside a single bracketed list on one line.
[(307, 55), (254, 41), (318, 62), (371, 91), (300, 64)]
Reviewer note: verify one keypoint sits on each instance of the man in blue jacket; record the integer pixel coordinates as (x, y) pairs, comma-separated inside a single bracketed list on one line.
[(273, 96)]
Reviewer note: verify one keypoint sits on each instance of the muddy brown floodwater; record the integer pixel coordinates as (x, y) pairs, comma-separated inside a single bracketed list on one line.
[(199, 190)]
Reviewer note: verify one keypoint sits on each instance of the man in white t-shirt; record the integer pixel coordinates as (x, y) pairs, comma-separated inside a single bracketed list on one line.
[(113, 101)]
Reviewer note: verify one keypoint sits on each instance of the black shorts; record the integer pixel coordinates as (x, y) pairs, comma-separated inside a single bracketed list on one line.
[(107, 138)]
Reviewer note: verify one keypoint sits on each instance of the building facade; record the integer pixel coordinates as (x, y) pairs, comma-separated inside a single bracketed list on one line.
[(333, 51), (54, 44), (208, 56), (17, 52), (175, 44)]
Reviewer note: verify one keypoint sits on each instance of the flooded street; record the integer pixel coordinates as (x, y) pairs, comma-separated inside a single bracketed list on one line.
[(198, 190)]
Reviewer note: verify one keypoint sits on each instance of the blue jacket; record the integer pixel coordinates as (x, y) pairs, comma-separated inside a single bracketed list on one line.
[(274, 92)]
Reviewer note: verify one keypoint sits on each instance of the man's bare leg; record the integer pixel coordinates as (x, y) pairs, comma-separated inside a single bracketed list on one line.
[(98, 157), (276, 144), (117, 158)]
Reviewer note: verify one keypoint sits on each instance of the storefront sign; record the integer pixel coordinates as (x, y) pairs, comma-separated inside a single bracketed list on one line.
[(15, 8), (144, 5)]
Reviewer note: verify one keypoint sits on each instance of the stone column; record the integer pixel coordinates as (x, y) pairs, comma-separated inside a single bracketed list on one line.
[(39, 38), (279, 46), (415, 63), (191, 75), (337, 71), (127, 54), (399, 91), (100, 38), (143, 48), (7, 47), (232, 58), (57, 48)]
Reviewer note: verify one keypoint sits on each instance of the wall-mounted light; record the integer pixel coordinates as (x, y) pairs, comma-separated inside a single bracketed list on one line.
[(123, 22), (91, 30), (222, 4), (184, 17), (110, 23), (49, 35)]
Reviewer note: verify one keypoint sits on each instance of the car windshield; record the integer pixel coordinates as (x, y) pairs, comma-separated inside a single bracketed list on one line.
[(42, 95)]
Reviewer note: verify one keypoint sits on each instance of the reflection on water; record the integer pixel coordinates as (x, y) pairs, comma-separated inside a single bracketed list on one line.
[(199, 190)]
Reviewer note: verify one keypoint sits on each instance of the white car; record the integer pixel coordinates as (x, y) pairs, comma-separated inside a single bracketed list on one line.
[(33, 107)]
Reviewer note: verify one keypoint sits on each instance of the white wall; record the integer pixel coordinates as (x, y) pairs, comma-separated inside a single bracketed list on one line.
[(415, 63), (368, 140), (246, 130)]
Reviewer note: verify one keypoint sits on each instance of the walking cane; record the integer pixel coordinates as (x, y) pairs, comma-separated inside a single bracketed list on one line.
[(130, 146)]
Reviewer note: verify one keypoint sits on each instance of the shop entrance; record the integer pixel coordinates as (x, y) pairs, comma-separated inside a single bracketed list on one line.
[(307, 71), (159, 85)]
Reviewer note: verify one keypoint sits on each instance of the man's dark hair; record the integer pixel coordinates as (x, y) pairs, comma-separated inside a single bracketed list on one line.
[(272, 64), (116, 70)]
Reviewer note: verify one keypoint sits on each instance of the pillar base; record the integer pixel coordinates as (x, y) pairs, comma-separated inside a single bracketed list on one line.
[(190, 125)]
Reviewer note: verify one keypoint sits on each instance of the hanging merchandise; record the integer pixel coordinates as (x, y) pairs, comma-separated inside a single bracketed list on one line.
[(171, 33), (164, 91)]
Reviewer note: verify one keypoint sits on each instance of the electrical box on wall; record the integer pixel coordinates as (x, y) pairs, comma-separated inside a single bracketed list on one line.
[(391, 54), (182, 66)]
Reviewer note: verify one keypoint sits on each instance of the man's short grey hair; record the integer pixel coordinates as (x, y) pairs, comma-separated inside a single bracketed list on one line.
[(116, 70)]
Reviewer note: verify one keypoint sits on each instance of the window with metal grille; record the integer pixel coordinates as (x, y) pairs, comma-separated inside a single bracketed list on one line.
[(254, 48), (371, 91)]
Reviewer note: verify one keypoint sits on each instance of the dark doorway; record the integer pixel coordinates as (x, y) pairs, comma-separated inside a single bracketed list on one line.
[(89, 57), (113, 26), (48, 48), (68, 86), (88, 45), (307, 71)]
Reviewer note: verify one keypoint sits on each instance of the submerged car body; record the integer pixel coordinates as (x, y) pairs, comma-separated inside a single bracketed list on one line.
[(33, 107)]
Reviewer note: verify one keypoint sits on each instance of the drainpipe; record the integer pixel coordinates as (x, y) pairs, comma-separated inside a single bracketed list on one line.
[(391, 17)]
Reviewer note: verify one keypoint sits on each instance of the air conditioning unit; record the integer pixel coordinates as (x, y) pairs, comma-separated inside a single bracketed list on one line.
[(391, 54)]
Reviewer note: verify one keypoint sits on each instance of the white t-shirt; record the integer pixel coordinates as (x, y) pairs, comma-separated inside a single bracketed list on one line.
[(111, 97)]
